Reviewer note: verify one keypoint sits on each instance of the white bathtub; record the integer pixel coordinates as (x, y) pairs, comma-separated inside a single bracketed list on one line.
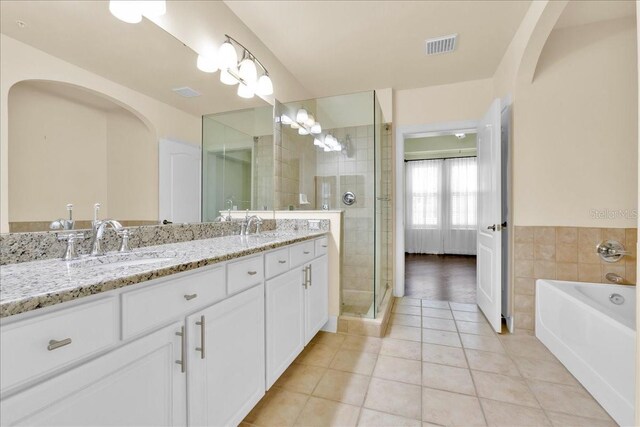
[(593, 337)]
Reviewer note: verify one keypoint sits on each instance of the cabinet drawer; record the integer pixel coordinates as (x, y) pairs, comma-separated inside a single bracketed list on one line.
[(244, 273), (322, 246), (276, 262), (302, 253), (169, 299), (40, 345)]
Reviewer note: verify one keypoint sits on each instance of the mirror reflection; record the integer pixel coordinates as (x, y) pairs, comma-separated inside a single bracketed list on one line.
[(237, 162), (68, 144)]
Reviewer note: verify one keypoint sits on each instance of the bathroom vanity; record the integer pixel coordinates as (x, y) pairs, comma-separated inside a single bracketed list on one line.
[(194, 338)]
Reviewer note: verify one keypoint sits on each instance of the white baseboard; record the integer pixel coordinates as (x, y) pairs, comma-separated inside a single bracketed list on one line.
[(331, 325)]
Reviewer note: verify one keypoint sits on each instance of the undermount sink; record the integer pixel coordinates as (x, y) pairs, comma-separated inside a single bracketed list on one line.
[(130, 259)]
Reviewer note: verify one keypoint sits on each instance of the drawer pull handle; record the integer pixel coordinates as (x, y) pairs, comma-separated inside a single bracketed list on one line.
[(324, 246), (190, 297), (183, 343), (282, 261), (202, 334), (252, 273), (309, 275), (306, 252), (53, 344)]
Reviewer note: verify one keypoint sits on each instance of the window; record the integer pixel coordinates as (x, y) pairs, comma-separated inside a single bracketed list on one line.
[(463, 192), (425, 195)]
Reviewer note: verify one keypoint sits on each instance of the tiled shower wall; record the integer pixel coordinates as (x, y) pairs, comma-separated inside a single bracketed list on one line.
[(295, 168), (564, 253)]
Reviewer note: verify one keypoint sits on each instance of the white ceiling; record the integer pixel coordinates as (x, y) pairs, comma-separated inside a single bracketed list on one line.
[(335, 47)]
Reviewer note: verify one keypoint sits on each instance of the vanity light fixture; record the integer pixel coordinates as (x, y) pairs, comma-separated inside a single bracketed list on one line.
[(244, 74)]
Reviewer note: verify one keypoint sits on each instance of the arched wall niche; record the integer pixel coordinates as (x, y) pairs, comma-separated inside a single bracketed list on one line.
[(71, 144)]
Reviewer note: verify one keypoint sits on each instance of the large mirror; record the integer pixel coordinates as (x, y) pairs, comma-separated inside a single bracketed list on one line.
[(71, 145), (102, 111), (237, 162)]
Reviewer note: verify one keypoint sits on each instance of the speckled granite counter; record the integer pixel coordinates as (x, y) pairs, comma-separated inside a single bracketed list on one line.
[(32, 285)]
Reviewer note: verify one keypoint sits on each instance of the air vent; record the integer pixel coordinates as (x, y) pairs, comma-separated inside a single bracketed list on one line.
[(440, 45), (187, 92)]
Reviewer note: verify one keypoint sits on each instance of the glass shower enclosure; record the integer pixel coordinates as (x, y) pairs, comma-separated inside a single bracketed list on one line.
[(274, 158), (346, 166)]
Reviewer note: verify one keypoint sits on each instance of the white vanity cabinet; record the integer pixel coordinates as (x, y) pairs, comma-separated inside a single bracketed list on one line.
[(194, 348), (137, 384), (316, 297), (225, 366), (297, 306)]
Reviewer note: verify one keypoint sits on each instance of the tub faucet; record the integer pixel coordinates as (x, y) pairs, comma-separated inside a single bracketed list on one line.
[(617, 279)]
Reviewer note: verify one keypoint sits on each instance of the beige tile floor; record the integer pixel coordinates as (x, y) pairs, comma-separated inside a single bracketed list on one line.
[(438, 364)]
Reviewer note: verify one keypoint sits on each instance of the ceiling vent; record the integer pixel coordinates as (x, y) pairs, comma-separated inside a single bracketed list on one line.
[(440, 45), (187, 92)]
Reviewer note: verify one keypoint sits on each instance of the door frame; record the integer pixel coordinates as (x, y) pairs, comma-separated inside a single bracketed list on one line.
[(402, 133)]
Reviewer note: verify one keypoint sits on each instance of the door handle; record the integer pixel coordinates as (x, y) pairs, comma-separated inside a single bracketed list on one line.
[(202, 334), (304, 280), (309, 275), (492, 227), (183, 343)]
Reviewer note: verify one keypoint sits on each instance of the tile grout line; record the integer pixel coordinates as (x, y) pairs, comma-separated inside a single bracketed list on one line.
[(473, 381)]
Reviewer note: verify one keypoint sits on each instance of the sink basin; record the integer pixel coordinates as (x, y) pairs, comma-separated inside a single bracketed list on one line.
[(130, 259)]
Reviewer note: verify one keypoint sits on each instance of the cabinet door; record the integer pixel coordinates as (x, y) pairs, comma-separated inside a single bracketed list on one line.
[(317, 298), (226, 363), (138, 384), (285, 322)]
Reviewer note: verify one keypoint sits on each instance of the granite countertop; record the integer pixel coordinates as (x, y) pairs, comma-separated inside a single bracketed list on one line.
[(31, 285)]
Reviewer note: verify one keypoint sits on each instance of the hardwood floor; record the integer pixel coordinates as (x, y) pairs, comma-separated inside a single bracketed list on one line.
[(441, 277)]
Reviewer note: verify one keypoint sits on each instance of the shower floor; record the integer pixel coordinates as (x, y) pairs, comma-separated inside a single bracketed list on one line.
[(441, 277)]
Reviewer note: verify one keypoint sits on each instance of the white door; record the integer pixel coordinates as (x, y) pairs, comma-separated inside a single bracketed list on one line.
[(316, 298), (225, 363), (285, 322), (489, 271), (180, 181), (139, 384)]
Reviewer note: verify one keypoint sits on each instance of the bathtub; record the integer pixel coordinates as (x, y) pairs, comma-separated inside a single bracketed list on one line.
[(593, 337)]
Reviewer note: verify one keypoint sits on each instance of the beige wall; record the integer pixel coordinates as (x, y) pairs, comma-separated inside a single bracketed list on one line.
[(53, 162), (575, 144), (132, 168), (20, 62), (65, 150), (446, 103)]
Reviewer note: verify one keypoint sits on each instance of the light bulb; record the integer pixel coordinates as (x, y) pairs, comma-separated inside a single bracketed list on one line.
[(248, 73), (227, 78), (317, 142), (207, 62), (227, 56), (265, 86), (302, 116), (310, 120), (286, 120), (127, 11), (295, 125), (153, 8), (326, 149), (316, 129), (245, 91), (303, 131)]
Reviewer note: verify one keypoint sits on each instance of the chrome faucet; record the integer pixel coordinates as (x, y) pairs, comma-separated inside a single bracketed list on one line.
[(97, 233), (251, 220)]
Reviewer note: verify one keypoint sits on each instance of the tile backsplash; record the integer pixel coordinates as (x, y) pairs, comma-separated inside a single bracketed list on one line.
[(564, 253)]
